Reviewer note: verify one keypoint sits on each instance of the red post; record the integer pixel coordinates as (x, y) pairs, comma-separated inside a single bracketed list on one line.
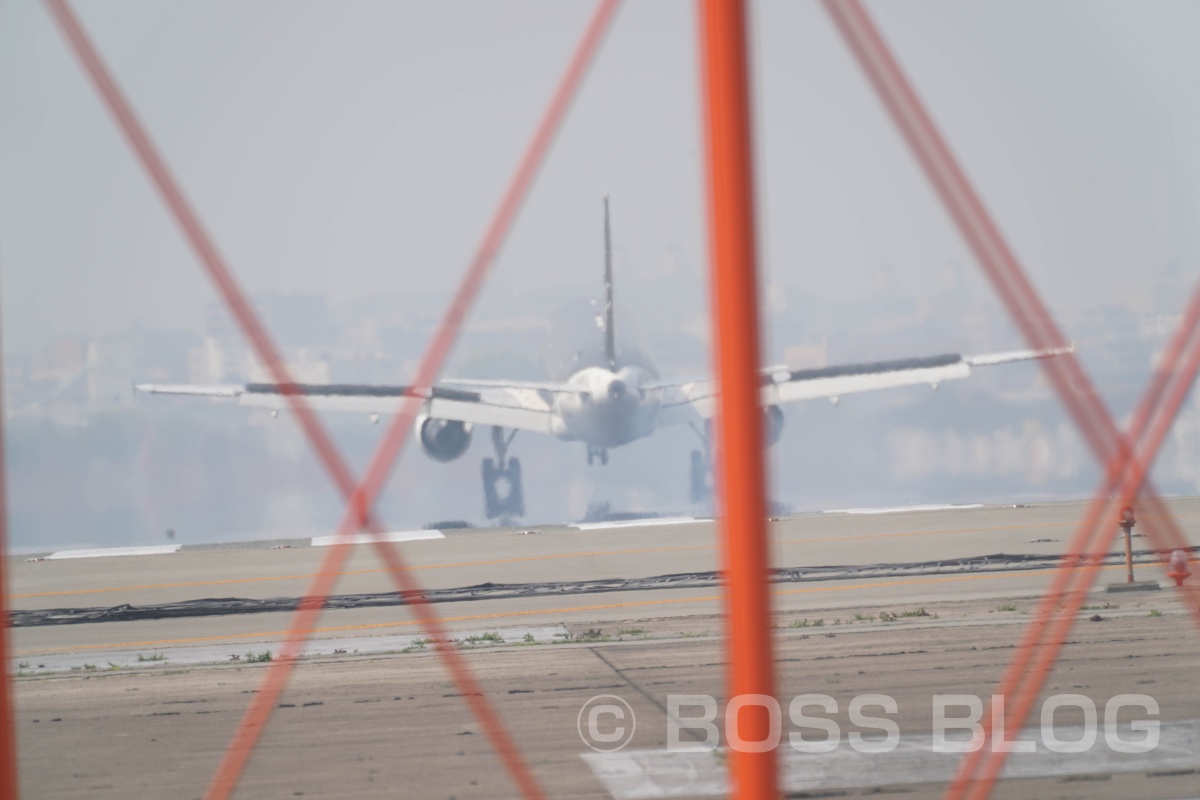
[(8, 733), (734, 292)]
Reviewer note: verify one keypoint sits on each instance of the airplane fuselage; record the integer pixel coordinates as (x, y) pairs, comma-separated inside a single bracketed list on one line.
[(611, 409)]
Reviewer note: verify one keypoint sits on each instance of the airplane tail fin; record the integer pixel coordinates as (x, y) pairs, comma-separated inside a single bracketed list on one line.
[(610, 341)]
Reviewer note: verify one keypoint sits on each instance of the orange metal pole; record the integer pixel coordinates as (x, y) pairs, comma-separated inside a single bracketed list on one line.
[(734, 291), (360, 498), (1128, 554), (8, 733)]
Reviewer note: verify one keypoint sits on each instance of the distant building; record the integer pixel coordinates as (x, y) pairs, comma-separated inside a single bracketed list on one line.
[(297, 324), (304, 365), (207, 363), (109, 373), (806, 356), (60, 361)]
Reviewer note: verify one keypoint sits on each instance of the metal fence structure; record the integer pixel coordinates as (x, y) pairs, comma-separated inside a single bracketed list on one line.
[(724, 49)]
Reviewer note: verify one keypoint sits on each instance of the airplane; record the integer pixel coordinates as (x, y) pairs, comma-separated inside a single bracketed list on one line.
[(599, 390)]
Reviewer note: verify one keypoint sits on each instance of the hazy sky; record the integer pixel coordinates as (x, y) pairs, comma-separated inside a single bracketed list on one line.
[(351, 148)]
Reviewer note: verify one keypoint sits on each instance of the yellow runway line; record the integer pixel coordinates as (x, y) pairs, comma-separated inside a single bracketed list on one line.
[(545, 611), (521, 559)]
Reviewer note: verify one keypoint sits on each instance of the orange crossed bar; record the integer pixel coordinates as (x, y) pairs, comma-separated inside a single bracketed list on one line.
[(733, 287), (1126, 463), (360, 497)]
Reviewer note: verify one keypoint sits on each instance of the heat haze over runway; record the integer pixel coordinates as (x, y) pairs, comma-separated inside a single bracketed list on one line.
[(896, 557), (914, 611)]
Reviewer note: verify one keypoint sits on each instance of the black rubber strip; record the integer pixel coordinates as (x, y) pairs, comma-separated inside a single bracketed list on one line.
[(209, 607), (876, 367), (363, 390)]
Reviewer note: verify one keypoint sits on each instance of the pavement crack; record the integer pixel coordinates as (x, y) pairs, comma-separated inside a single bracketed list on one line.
[(691, 731)]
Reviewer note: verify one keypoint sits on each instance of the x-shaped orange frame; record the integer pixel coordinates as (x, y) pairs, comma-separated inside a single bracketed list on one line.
[(1127, 459), (360, 497)]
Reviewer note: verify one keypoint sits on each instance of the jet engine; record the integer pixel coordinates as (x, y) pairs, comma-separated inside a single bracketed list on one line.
[(772, 425), (443, 439)]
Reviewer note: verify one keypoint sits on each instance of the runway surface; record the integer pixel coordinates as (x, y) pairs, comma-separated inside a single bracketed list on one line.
[(381, 714)]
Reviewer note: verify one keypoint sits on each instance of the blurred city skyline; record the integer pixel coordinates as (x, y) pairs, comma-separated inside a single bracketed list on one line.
[(346, 159), (347, 151)]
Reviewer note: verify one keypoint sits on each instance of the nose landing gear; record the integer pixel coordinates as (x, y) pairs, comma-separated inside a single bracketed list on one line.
[(503, 495), (595, 452)]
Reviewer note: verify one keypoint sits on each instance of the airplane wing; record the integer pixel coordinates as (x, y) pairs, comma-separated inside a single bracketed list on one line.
[(507, 405), (693, 400)]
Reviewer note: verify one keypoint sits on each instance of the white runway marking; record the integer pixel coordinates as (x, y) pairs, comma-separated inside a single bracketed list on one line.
[(149, 550), (647, 774), (149, 657), (393, 536), (902, 509), (634, 523)]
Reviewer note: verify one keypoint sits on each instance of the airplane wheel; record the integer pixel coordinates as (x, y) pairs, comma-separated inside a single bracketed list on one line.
[(699, 478), (604, 457), (490, 500), (516, 496), (503, 495)]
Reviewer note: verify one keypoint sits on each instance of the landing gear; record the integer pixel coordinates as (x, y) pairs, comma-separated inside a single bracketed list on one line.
[(700, 477), (502, 492), (597, 452)]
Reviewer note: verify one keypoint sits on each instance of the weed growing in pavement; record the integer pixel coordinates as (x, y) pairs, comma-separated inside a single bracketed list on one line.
[(490, 636)]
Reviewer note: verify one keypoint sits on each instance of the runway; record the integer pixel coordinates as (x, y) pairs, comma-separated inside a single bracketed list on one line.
[(184, 680)]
